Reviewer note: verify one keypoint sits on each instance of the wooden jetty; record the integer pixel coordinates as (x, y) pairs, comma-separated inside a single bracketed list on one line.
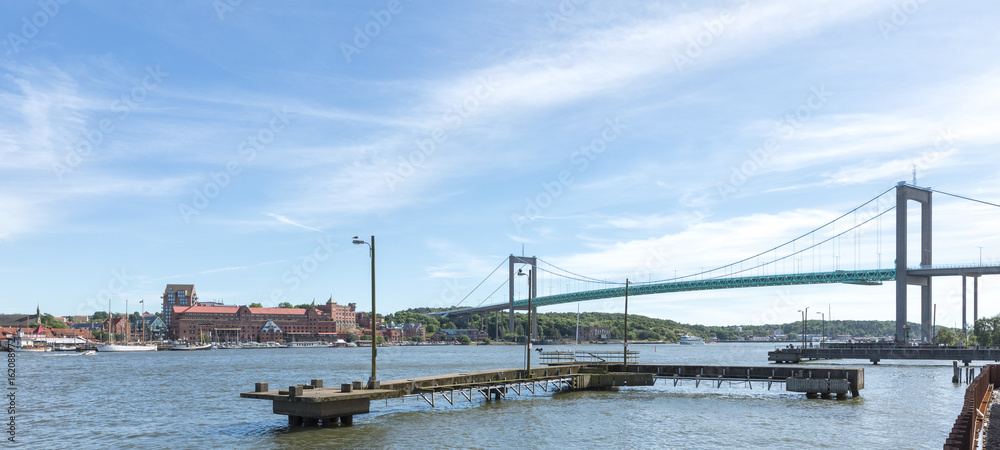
[(313, 404)]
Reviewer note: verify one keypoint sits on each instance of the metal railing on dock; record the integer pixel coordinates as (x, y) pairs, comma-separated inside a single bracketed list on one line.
[(498, 389), (566, 357)]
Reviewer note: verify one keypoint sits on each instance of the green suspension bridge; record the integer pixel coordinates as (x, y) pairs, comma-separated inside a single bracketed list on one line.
[(751, 272)]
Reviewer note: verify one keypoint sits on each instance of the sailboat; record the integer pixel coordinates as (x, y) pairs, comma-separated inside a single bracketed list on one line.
[(201, 345), (125, 346)]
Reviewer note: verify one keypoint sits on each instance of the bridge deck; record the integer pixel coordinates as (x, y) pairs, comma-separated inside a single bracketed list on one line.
[(863, 277)]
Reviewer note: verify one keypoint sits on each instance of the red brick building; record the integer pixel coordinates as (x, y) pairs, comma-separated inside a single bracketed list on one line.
[(241, 323), (364, 320), (116, 325), (176, 296)]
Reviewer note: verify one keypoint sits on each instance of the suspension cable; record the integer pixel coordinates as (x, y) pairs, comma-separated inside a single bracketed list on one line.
[(964, 197), (573, 273), (821, 242), (786, 243), (491, 293), (481, 283)]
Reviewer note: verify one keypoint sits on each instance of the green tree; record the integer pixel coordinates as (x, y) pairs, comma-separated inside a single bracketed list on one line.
[(464, 339), (987, 331), (485, 341), (99, 316), (49, 321), (351, 337), (256, 305), (285, 305), (946, 336)]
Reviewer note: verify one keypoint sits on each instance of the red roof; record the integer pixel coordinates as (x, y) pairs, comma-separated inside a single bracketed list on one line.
[(209, 309), (232, 310), (277, 310)]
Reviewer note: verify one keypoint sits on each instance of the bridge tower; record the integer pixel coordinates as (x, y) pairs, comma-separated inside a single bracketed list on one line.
[(532, 289), (905, 193)]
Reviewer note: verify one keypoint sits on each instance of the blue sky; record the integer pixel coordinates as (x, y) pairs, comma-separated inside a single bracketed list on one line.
[(240, 147)]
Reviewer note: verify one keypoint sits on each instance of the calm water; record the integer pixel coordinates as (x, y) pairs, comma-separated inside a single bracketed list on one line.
[(191, 400)]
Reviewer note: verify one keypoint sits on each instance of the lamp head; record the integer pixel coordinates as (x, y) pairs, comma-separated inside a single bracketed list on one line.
[(520, 272), (357, 241)]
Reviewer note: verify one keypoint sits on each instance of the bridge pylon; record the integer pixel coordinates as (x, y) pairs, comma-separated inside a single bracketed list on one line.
[(905, 193)]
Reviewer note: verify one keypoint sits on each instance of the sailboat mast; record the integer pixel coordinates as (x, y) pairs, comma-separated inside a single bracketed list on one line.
[(142, 316), (111, 336)]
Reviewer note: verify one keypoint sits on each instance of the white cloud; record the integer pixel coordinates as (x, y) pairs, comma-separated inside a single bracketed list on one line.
[(284, 219)]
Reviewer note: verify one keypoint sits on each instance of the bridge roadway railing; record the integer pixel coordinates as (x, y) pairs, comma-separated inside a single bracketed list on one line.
[(564, 357), (965, 434)]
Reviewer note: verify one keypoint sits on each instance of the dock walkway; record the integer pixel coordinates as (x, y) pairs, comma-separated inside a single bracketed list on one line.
[(314, 404), (878, 352)]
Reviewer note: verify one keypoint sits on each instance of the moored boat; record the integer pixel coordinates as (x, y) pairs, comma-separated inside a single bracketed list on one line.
[(189, 347), (692, 340), (33, 349), (125, 348), (307, 344)]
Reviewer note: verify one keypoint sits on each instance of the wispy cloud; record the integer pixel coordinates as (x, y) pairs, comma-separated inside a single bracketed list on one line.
[(284, 219)]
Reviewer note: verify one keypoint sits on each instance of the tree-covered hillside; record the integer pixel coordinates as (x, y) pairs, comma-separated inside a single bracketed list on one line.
[(563, 326)]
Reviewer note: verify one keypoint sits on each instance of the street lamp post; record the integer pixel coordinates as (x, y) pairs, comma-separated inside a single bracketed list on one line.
[(371, 246), (822, 339), (527, 345), (625, 354), (805, 328)]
